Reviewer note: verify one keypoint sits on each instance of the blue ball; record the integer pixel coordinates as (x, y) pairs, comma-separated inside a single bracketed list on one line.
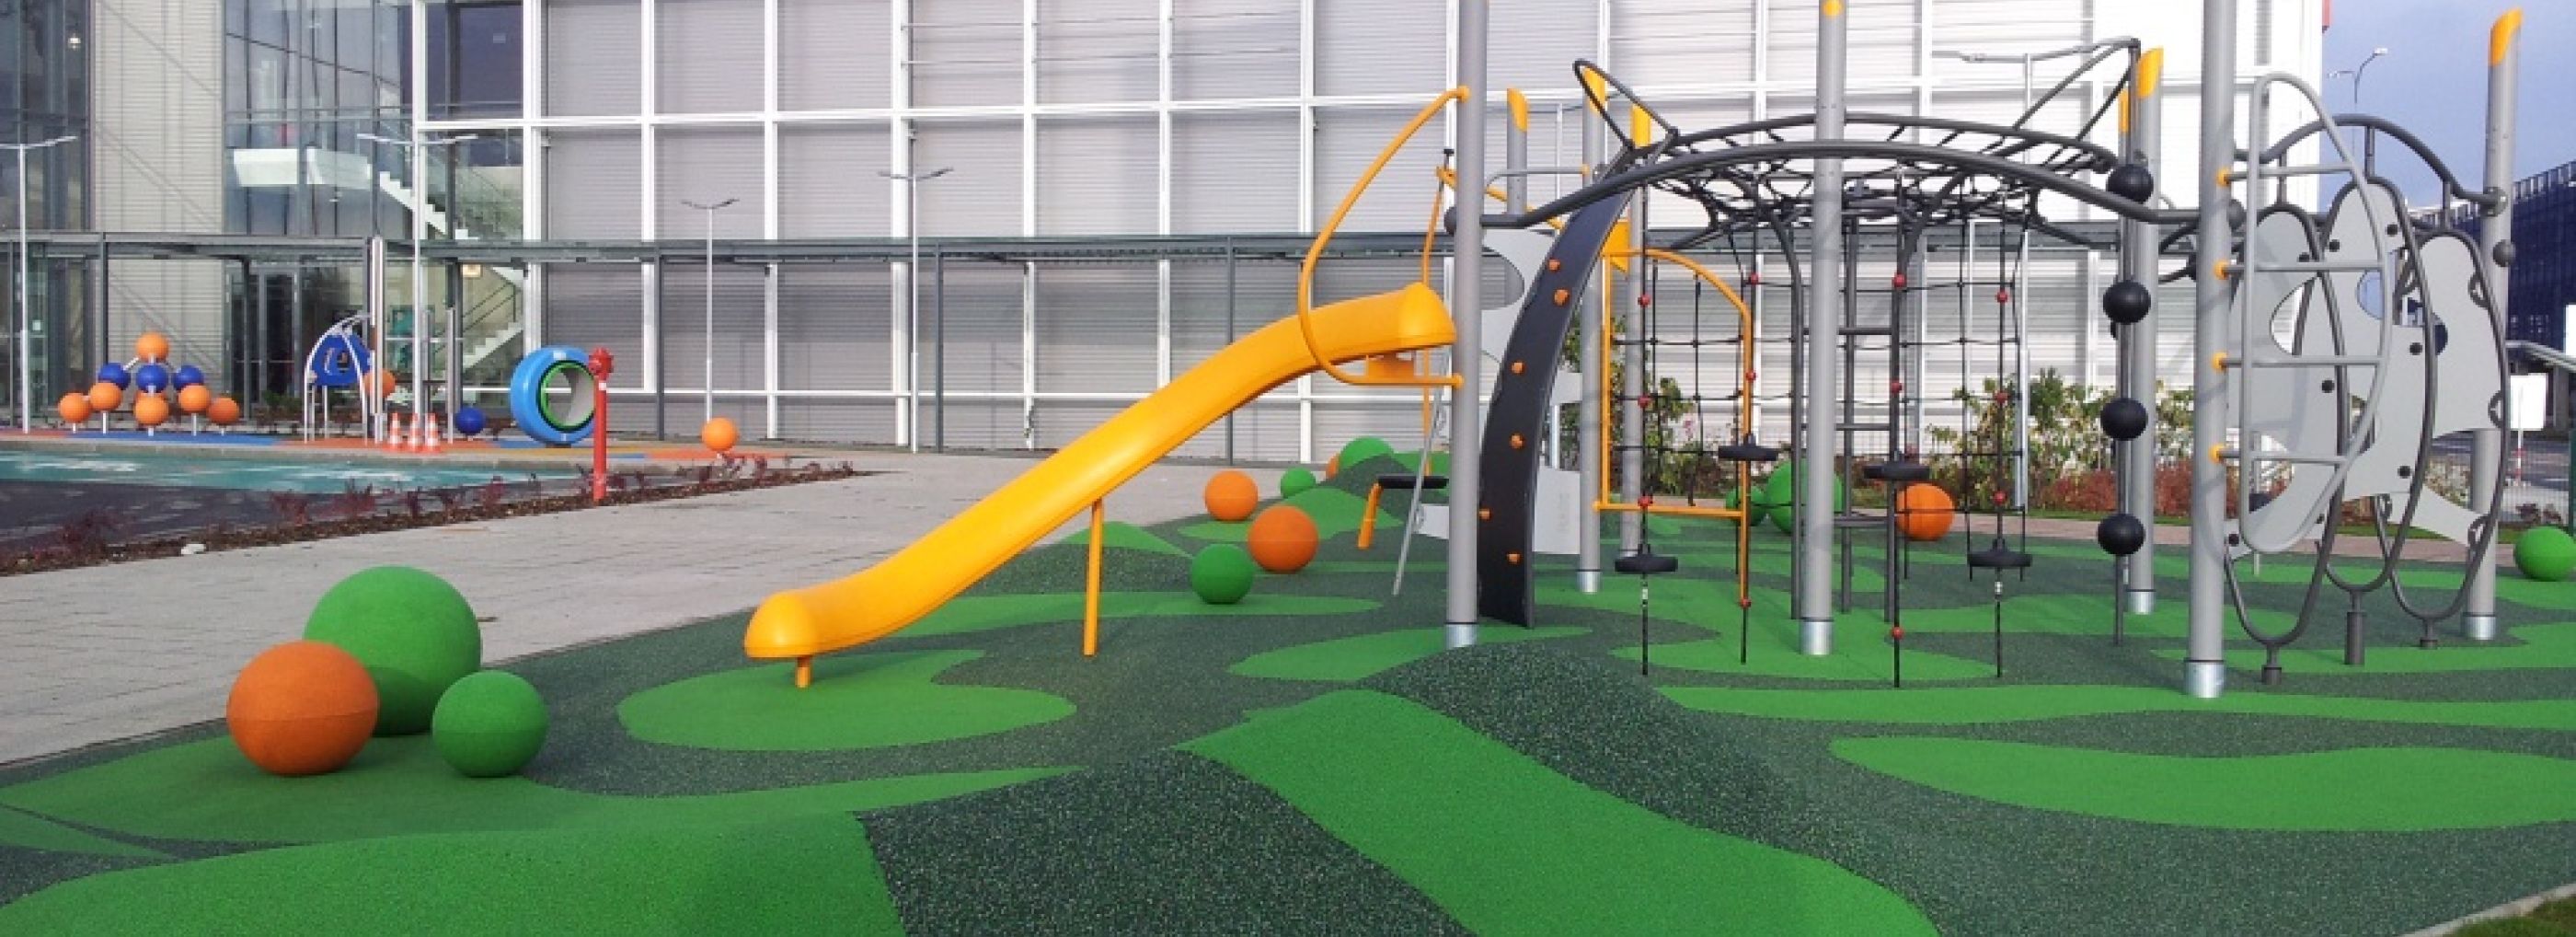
[(470, 421), (190, 376), (114, 373), (153, 377)]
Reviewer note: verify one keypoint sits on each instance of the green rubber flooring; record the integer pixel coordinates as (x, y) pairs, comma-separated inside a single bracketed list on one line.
[(1311, 761)]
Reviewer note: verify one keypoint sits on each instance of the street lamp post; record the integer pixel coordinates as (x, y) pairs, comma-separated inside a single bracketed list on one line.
[(912, 293), (2369, 141), (710, 388), (26, 307), (412, 171)]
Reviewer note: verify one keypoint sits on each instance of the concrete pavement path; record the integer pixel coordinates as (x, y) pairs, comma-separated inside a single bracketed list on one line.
[(99, 654)]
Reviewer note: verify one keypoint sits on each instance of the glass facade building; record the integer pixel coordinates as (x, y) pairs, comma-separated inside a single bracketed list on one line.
[(44, 95)]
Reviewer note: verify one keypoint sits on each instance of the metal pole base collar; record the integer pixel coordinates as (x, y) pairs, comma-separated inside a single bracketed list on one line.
[(1815, 637), (2204, 679)]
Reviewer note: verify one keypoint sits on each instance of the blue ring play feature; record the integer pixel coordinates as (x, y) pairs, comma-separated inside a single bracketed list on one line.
[(563, 419)]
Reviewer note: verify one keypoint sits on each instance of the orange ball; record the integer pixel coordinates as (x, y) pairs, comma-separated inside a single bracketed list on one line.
[(301, 708), (385, 384), (151, 410), (1925, 512), (195, 398), (719, 434), (1334, 466), (1282, 539), (152, 346), (1231, 496), (74, 408), (224, 411), (103, 397)]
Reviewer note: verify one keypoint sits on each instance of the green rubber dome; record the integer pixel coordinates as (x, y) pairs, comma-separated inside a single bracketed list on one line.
[(1295, 481), (1779, 497), (489, 724), (1361, 450), (2545, 553), (1222, 574), (412, 630)]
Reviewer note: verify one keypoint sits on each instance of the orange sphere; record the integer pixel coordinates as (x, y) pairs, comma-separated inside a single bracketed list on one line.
[(1334, 466), (1282, 539), (224, 411), (152, 346), (195, 398), (385, 384), (151, 410), (74, 408), (301, 708), (719, 434), (1925, 513), (103, 397), (1231, 496)]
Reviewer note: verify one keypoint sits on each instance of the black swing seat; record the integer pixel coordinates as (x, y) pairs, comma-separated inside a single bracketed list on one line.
[(1748, 451), (1429, 482), (1643, 563), (1901, 470), (1999, 556)]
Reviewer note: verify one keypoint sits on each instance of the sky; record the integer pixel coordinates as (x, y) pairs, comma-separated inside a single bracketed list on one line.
[(2433, 81)]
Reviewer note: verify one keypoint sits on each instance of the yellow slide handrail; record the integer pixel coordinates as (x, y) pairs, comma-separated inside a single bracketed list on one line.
[(1324, 238)]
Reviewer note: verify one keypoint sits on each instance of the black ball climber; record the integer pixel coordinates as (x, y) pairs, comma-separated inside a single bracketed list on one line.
[(2124, 418), (2120, 535), (2128, 302), (2133, 182)]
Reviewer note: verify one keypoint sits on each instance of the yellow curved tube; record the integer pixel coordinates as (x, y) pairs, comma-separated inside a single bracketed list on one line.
[(930, 571), (1324, 238)]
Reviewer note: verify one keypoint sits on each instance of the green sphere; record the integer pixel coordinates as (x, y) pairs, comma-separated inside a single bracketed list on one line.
[(1361, 450), (489, 724), (412, 630), (1780, 497), (1222, 574), (1758, 508), (2545, 553), (1295, 481)]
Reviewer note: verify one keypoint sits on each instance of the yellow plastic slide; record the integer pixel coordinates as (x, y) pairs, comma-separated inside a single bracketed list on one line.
[(921, 577)]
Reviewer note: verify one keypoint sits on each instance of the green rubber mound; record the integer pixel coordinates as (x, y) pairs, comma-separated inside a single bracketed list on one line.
[(205, 790), (1342, 660), (1167, 843), (1120, 535), (811, 874), (1296, 481), (414, 632), (1509, 847), (2356, 789), (874, 700), (1356, 453), (989, 612), (1981, 705)]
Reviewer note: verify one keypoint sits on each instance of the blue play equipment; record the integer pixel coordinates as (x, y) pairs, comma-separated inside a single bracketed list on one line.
[(337, 361), (470, 421), (563, 419), (190, 376), (153, 377), (114, 373), (340, 360)]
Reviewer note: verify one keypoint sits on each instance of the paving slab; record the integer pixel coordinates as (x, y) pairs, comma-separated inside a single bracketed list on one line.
[(154, 644)]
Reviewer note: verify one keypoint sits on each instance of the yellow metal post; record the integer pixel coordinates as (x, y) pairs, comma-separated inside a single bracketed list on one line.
[(1091, 589)]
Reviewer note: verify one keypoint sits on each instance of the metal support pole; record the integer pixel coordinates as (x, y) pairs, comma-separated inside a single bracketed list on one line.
[(938, 350), (1816, 446), (2204, 661), (2137, 374), (1587, 420), (26, 312), (2495, 239), (1466, 305)]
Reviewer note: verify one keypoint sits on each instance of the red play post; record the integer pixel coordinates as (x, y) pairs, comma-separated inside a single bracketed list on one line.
[(601, 362)]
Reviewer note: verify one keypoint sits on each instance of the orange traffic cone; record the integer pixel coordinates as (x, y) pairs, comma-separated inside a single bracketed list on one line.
[(431, 439), (393, 431)]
